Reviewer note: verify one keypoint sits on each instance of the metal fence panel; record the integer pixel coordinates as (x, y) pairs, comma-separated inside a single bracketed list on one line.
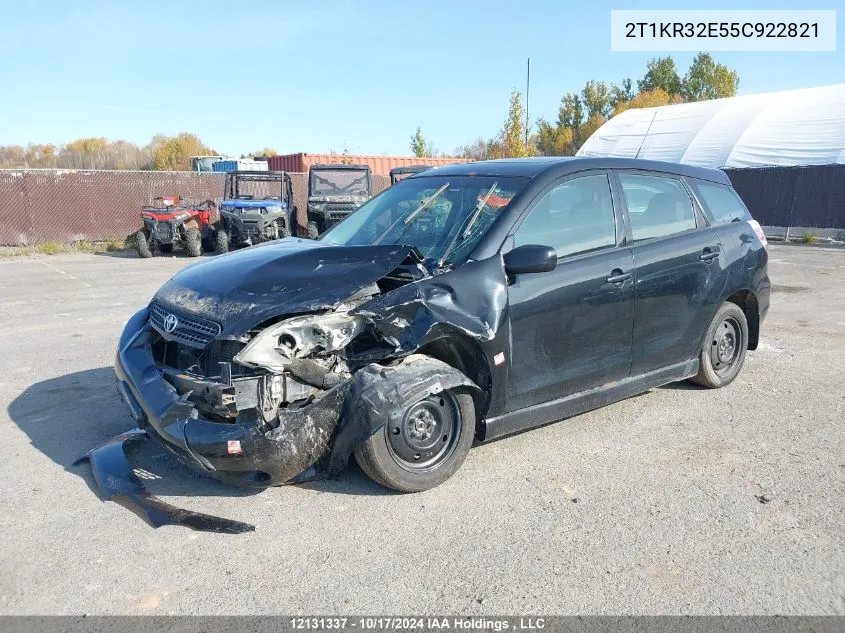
[(812, 196), (39, 205)]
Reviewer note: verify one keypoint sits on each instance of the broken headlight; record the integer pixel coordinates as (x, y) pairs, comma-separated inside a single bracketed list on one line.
[(300, 337)]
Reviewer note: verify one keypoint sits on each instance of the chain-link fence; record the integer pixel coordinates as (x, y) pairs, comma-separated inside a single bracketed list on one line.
[(40, 205)]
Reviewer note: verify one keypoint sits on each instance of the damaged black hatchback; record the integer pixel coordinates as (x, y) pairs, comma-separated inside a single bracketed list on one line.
[(467, 302)]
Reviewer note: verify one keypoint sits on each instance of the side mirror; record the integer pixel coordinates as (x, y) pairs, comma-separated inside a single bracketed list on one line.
[(530, 258)]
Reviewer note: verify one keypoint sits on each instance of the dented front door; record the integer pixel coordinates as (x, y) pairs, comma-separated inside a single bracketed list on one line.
[(571, 328)]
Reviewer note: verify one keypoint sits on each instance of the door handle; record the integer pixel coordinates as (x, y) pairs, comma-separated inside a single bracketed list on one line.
[(617, 276), (708, 255)]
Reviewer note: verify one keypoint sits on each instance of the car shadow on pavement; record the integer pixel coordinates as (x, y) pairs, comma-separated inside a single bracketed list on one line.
[(66, 416)]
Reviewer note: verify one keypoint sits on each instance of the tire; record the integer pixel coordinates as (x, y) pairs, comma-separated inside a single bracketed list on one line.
[(221, 242), (313, 231), (141, 244), (388, 456), (724, 348), (193, 242)]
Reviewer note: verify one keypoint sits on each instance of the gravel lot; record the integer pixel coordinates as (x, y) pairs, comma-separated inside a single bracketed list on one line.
[(681, 500)]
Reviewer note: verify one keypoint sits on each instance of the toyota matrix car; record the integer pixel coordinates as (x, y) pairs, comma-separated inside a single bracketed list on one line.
[(463, 303)]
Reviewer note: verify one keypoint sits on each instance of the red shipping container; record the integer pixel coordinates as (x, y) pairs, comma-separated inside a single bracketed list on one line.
[(379, 165)]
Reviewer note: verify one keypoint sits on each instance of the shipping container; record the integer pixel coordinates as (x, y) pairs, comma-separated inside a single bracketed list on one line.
[(240, 164), (379, 165)]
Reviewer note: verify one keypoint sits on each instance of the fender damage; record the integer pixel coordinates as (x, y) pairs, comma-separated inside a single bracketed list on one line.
[(326, 341)]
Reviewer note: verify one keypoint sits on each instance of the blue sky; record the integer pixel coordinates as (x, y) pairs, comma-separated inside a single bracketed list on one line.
[(318, 77)]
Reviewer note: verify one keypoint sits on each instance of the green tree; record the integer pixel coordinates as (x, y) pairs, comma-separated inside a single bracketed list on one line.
[(621, 93), (661, 73), (597, 99), (173, 153), (268, 152), (554, 140), (647, 99), (418, 144), (706, 79), (511, 140), (571, 111)]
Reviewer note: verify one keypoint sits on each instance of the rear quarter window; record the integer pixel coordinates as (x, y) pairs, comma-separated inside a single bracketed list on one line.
[(721, 203)]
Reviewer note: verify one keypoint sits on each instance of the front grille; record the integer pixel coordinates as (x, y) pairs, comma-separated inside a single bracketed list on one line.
[(163, 232), (190, 330)]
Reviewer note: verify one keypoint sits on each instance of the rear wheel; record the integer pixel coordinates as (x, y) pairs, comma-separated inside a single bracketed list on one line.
[(193, 242), (142, 245), (221, 241), (725, 345), (425, 447), (313, 231)]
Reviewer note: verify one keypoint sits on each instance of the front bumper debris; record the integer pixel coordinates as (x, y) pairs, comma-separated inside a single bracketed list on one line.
[(117, 481), (310, 442)]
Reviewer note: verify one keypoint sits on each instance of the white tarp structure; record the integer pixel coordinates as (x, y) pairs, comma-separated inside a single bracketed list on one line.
[(793, 127)]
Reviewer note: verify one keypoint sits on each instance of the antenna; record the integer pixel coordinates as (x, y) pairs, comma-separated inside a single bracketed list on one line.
[(527, 86)]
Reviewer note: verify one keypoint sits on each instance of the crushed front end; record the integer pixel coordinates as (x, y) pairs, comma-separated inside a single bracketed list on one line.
[(246, 426), (278, 374)]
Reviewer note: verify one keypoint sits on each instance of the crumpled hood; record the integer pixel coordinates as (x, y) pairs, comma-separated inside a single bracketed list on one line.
[(289, 276)]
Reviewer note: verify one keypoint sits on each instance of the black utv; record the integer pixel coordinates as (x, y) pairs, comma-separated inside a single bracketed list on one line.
[(400, 173), (335, 191), (257, 207)]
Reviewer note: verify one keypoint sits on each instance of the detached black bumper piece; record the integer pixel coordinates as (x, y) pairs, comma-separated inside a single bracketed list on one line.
[(119, 484)]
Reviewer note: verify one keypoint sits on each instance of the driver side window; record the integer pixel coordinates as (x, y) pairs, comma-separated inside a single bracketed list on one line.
[(574, 217)]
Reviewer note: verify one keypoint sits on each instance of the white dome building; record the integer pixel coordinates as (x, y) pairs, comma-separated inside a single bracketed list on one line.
[(788, 128)]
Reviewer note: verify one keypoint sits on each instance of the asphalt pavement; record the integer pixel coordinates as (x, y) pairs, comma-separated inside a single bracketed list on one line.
[(679, 501)]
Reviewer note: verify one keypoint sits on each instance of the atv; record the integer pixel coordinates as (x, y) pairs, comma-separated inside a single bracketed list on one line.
[(400, 173), (170, 222), (257, 207), (335, 191)]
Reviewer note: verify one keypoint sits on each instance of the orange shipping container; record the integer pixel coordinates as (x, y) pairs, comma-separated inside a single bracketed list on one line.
[(379, 165)]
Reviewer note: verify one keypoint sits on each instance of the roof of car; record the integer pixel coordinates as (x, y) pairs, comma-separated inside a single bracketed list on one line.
[(411, 169), (560, 165)]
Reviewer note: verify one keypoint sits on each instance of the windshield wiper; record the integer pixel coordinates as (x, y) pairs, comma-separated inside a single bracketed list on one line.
[(462, 234), (410, 218)]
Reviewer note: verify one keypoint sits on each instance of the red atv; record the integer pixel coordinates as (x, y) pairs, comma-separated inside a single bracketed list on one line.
[(169, 221)]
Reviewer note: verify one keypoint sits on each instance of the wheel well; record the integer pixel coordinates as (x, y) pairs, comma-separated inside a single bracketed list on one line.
[(747, 301), (466, 356)]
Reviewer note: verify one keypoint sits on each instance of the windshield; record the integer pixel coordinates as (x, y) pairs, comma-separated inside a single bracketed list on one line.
[(340, 182), (444, 217), (254, 188)]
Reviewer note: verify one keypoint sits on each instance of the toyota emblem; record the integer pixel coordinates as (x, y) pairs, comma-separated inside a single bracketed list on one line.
[(170, 323)]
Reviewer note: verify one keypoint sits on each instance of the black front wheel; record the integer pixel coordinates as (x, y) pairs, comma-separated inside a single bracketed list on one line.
[(221, 241), (193, 242), (142, 245), (313, 231), (425, 447), (724, 348)]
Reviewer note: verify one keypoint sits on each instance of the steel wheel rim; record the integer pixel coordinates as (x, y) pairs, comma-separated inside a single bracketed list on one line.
[(427, 434), (726, 345)]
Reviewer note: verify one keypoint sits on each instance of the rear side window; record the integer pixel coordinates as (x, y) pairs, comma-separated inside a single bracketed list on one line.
[(721, 203), (657, 206)]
